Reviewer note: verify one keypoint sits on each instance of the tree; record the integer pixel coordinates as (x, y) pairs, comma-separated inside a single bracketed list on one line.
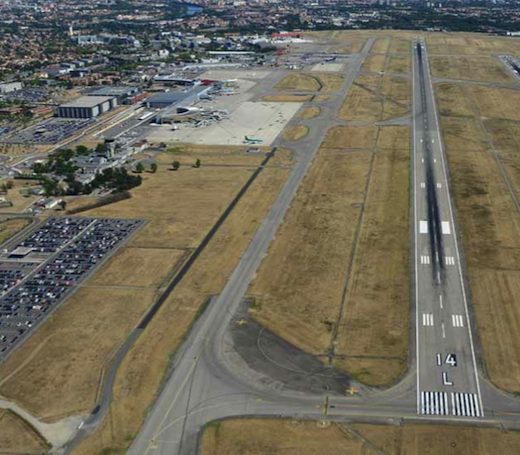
[(82, 150), (197, 163), (176, 165), (139, 168), (101, 149), (153, 168)]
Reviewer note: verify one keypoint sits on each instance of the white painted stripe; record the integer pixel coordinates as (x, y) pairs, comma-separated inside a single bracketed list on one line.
[(471, 407), (466, 401), (435, 404), (446, 227), (422, 403), (423, 227), (457, 404), (450, 260), (443, 330), (423, 185), (441, 403), (440, 302), (453, 404), (439, 185), (446, 409), (477, 409), (425, 259)]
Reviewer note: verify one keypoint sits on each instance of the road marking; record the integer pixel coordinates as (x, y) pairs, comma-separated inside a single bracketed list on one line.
[(457, 320), (440, 302), (422, 160), (425, 259), (450, 260), (435, 160), (439, 185), (445, 380), (423, 185), (434, 403), (443, 330), (445, 225), (423, 227), (427, 319)]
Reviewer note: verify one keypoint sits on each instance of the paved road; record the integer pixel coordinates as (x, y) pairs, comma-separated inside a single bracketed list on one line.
[(447, 378), (194, 393)]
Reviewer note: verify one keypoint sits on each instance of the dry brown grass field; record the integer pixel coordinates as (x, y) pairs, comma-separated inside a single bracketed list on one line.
[(299, 81), (142, 371), (478, 68), (291, 437), (308, 113), (10, 227), (312, 247), (481, 128), (287, 98), (295, 132), (18, 438), (375, 98), (315, 82), (52, 377), (350, 137), (469, 44), (373, 333)]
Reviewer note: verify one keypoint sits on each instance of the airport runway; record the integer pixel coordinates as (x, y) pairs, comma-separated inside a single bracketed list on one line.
[(447, 378)]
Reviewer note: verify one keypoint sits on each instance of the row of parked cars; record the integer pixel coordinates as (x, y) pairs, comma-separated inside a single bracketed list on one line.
[(74, 246)]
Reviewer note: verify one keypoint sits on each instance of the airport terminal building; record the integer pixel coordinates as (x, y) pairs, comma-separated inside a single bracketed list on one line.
[(87, 107)]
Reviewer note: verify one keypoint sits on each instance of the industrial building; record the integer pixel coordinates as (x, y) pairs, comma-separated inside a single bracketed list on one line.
[(87, 107), (123, 94), (167, 99)]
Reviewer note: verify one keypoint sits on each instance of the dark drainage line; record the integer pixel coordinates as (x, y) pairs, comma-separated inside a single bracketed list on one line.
[(187, 265), (101, 407)]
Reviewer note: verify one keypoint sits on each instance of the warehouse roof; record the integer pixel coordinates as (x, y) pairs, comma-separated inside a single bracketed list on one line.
[(87, 101)]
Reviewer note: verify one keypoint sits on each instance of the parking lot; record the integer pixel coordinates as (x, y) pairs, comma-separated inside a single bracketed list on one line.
[(37, 273), (49, 131)]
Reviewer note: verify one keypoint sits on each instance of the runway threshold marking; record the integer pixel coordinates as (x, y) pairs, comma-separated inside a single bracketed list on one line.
[(425, 259), (459, 404), (450, 260)]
